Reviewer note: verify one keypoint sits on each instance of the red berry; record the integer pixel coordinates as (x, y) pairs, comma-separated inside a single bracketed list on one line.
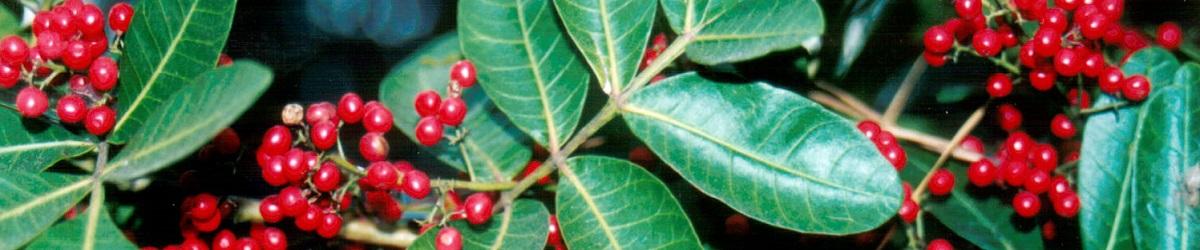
[(449, 238), (1068, 4), (227, 141), (737, 225), (1059, 187), (1008, 116), (31, 102), (908, 211), (13, 50), (308, 220), (381, 176), (982, 173), (1018, 144), (1093, 65), (204, 206), (90, 21), (319, 112), (884, 139), (63, 22), (1044, 157), (1136, 88), (1042, 77), (1026, 204), (272, 239), (1111, 8), (331, 224), (1067, 63), (939, 244), (207, 225), (1169, 35), (895, 155), (76, 56), (71, 109), (452, 111), (973, 144), (1067, 205), (377, 119), (1014, 172), (274, 171), (246, 243), (1062, 127), (416, 184), (1111, 80), (224, 60), (224, 240), (938, 39), (292, 201), (295, 165), (1007, 37), (327, 178), (554, 238), (935, 59), (968, 8), (987, 43), (999, 85), (1055, 19), (270, 210), (1134, 40), (869, 129), (1048, 231), (1028, 56), (942, 182), (193, 244), (373, 147), (1037, 181), (277, 140), (479, 208), (1093, 26), (119, 17), (1046, 42), (99, 120), (427, 103), (429, 131), (50, 45), (96, 46), (9, 75), (324, 135), (103, 74), (350, 108), (463, 72)]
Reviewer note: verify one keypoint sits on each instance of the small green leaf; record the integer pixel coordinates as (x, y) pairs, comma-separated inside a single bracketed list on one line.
[(190, 118), (864, 15), (34, 145), (1165, 151), (1104, 177), (738, 30), (74, 233), (526, 65), (607, 203), (497, 149), (31, 202), (985, 219), (768, 153), (169, 43), (611, 35), (525, 226)]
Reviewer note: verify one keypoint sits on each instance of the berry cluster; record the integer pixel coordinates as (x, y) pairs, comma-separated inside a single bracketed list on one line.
[(71, 39), (885, 142), (202, 213), (436, 112)]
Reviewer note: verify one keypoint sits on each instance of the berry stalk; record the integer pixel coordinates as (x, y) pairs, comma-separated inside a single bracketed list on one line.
[(962, 133)]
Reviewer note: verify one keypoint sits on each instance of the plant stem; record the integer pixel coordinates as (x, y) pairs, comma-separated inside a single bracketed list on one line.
[(998, 60), (926, 141), (346, 165), (476, 186), (1111, 106), (962, 133), (850, 100), (900, 100), (668, 55)]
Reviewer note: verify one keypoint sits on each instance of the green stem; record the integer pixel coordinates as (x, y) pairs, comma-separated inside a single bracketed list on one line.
[(476, 186), (1111, 106), (998, 60), (345, 165)]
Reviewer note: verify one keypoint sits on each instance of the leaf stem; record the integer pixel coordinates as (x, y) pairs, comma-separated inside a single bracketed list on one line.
[(476, 186), (345, 165), (962, 133), (900, 100), (1111, 106)]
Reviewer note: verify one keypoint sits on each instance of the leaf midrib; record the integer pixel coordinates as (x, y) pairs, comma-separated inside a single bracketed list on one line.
[(1122, 201), (175, 41), (175, 137), (591, 203), (505, 222), (612, 58), (630, 108), (43, 145), (44, 198), (551, 126)]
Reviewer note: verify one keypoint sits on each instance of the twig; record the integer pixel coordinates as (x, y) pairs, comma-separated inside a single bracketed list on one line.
[(926, 141), (900, 100), (477, 186), (833, 103), (887, 237), (1108, 107), (850, 101), (962, 133)]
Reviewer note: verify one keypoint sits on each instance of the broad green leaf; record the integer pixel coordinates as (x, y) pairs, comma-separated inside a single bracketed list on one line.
[(1156, 63), (525, 65), (169, 43), (608, 203), (739, 30), (525, 226), (981, 217), (31, 202), (498, 150), (92, 229), (863, 16), (190, 118), (1165, 152), (768, 153), (1104, 179), (611, 35), (9, 24), (34, 145)]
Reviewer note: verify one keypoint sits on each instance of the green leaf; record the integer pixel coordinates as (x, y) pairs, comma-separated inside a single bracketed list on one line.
[(864, 15), (608, 203), (1165, 151), (610, 34), (1156, 63), (1104, 178), (31, 202), (93, 229), (497, 149), (9, 24), (34, 145), (525, 226), (768, 153), (739, 30), (526, 65), (169, 43), (983, 218), (190, 118)]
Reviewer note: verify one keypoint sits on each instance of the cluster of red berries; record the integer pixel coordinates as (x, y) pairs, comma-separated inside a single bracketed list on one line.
[(1029, 165), (477, 210), (656, 47), (436, 112), (1068, 42), (383, 177), (885, 142), (202, 213), (70, 38)]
